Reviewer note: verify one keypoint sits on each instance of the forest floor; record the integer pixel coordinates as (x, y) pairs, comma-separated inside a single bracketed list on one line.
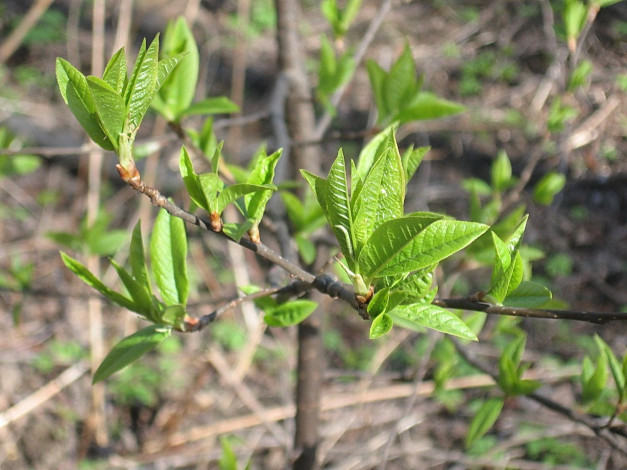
[(379, 405)]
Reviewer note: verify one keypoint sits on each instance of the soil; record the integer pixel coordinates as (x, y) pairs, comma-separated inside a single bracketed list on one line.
[(171, 410)]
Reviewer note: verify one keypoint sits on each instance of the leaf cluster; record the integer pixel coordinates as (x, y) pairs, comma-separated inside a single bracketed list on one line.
[(390, 256)]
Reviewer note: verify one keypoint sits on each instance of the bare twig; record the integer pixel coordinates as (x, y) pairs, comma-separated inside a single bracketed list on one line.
[(590, 317)]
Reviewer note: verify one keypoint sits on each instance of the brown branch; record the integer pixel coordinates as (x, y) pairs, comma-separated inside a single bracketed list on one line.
[(590, 317)]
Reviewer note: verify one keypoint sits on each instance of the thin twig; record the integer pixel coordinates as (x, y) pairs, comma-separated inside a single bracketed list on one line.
[(590, 317)]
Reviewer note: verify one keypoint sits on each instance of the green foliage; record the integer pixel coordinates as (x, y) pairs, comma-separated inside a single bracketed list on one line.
[(13, 165), (306, 217), (483, 420), (399, 97), (96, 239), (382, 247), (547, 188), (340, 19), (333, 72), (130, 349), (510, 369)]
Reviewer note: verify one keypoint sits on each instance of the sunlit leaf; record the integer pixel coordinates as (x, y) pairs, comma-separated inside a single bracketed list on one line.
[(168, 251), (130, 349), (434, 317)]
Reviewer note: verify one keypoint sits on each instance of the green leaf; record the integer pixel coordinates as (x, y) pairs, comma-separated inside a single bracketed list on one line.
[(373, 150), (548, 186), (433, 317), (501, 172), (382, 195), (177, 90), (191, 180), (400, 83), (484, 420), (211, 185), (306, 248), (338, 210), (262, 174), (237, 231), (115, 72), (615, 366), (168, 251), (574, 15), (294, 208), (235, 191), (427, 105), (290, 313), (140, 293), (528, 294), (381, 325), (216, 105), (110, 109), (88, 278), (377, 78), (437, 241), (319, 187), (141, 87), (593, 378), (389, 240), (412, 159), (137, 258), (580, 75), (130, 349), (508, 268), (76, 94)]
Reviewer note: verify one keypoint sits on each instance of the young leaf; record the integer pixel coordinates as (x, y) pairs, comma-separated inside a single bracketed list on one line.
[(140, 89), (377, 78), (130, 349), (262, 174), (501, 172), (381, 196), (484, 420), (427, 105), (177, 90), (235, 191), (433, 317), (139, 292), (381, 325), (528, 294), (78, 97), (168, 251), (137, 258), (319, 187), (88, 278), (437, 241), (115, 72), (290, 313), (593, 378), (615, 365), (387, 241), (216, 105), (110, 109), (192, 181), (411, 160), (211, 185), (400, 83), (338, 209), (548, 186)]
